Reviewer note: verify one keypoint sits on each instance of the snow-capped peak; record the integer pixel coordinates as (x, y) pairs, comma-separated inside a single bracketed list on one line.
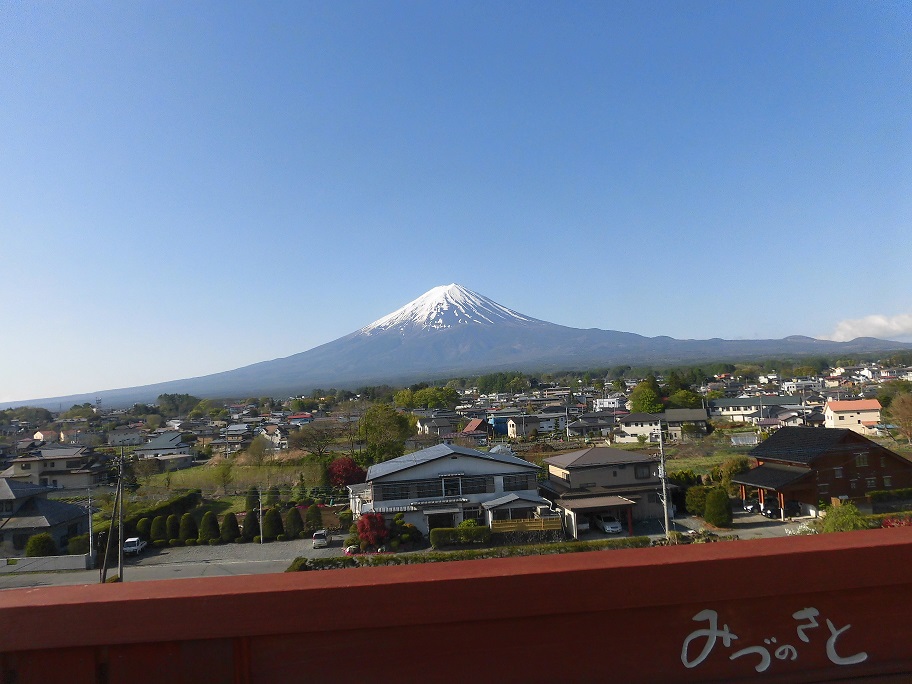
[(446, 306)]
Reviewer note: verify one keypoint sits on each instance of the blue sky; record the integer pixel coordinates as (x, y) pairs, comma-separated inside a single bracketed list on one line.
[(192, 187)]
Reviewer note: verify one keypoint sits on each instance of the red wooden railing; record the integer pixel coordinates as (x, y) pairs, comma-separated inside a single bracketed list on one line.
[(797, 609)]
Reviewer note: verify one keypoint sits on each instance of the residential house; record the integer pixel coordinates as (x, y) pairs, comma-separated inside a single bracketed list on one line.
[(163, 444), (686, 422), (811, 466), (47, 435), (433, 425), (25, 511), (276, 434), (595, 424), (443, 485), (861, 416), (125, 436), (741, 409), (625, 484), (59, 467), (300, 418), (634, 426)]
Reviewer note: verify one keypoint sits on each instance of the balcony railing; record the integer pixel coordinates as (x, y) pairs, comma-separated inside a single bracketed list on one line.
[(529, 525)]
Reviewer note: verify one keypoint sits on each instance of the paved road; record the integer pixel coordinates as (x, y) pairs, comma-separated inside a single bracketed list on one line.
[(191, 561)]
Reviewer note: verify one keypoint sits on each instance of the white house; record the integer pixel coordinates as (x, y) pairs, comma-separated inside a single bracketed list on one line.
[(445, 484), (861, 415)]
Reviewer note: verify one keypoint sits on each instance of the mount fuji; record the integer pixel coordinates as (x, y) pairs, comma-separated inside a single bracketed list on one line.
[(451, 331)]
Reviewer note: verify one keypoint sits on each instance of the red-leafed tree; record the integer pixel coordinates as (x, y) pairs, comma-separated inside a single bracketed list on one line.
[(372, 529), (344, 471)]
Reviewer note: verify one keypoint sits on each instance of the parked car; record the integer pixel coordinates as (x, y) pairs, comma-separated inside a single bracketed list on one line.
[(320, 539), (752, 505), (134, 546), (607, 523), (772, 510)]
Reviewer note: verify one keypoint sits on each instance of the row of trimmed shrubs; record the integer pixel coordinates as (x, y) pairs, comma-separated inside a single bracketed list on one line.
[(373, 560), (451, 536)]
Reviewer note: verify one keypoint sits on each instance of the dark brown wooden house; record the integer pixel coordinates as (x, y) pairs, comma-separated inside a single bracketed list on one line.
[(810, 466)]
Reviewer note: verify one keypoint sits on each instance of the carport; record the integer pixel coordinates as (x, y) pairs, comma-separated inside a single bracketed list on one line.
[(575, 506), (772, 480)]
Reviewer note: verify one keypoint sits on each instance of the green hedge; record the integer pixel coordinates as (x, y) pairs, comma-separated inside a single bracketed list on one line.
[(177, 505), (883, 495), (450, 536), (373, 560)]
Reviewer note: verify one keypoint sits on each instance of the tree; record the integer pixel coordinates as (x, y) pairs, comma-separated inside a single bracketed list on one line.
[(252, 499), (344, 471), (173, 405), (144, 469), (230, 528), (314, 438), (372, 529), (718, 510), (41, 544), (144, 528), (695, 500), (313, 518), (644, 399), (405, 399), (272, 496), (251, 525), (685, 399), (294, 526), (188, 528), (734, 466), (901, 414), (159, 529), (384, 431), (258, 450), (209, 528), (843, 518), (173, 526), (224, 474), (272, 524)]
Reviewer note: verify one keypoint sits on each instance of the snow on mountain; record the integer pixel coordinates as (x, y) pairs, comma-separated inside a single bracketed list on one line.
[(443, 307)]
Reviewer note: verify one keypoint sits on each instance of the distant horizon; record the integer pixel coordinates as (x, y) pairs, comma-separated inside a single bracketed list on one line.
[(126, 388), (195, 187)]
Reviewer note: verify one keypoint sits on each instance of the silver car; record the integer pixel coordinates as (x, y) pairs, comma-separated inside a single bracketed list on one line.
[(607, 523)]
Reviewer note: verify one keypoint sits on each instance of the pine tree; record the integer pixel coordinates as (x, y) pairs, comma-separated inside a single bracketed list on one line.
[(251, 526), (159, 529), (272, 497), (313, 519), (272, 524), (718, 510), (209, 528), (252, 501), (188, 528), (173, 524), (230, 528), (144, 528), (294, 526)]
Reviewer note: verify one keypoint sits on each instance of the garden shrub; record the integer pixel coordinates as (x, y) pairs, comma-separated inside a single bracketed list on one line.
[(144, 528), (695, 500), (257, 539), (718, 511), (251, 525), (272, 524), (190, 542), (313, 518), (281, 537), (173, 524), (215, 542), (174, 542), (230, 529), (41, 544), (78, 545), (294, 526), (188, 528), (209, 528), (159, 530)]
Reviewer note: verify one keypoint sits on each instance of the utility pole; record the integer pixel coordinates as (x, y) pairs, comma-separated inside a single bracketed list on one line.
[(120, 527), (103, 571), (663, 475), (91, 545), (260, 491)]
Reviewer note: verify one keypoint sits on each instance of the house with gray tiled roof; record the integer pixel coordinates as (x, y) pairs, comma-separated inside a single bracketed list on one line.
[(25, 510), (443, 485), (604, 480), (808, 466)]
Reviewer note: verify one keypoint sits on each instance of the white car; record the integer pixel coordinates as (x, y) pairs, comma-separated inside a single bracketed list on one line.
[(134, 545), (607, 523), (320, 539)]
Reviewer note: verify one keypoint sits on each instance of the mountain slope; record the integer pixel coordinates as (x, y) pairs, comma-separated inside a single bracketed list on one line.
[(451, 331)]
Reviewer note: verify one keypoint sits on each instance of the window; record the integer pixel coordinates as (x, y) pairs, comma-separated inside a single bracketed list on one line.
[(853, 484), (841, 417), (472, 513), (861, 460), (429, 488), (823, 489), (837, 472), (643, 471), (26, 466), (888, 481), (871, 482), (513, 483), (451, 486), (393, 491), (477, 485), (883, 461)]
